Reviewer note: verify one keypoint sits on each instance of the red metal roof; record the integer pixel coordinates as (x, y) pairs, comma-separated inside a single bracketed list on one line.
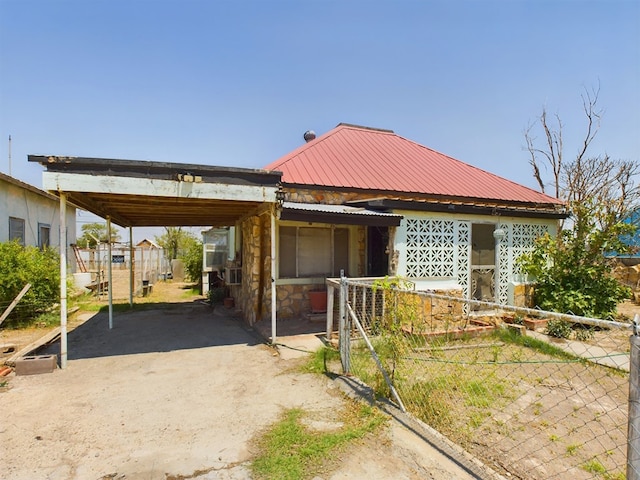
[(355, 157)]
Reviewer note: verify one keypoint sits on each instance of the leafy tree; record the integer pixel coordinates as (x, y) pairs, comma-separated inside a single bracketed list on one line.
[(572, 271), (21, 265), (182, 244), (171, 241), (191, 255), (94, 232)]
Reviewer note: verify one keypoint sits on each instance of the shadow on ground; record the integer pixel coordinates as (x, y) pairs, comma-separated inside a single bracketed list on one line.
[(159, 327)]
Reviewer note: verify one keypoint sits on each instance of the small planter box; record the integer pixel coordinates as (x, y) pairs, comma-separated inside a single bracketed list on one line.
[(474, 330), (535, 324), (36, 364)]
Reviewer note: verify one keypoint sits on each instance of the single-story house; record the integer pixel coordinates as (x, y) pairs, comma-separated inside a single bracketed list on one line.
[(32, 216), (370, 203), (358, 200)]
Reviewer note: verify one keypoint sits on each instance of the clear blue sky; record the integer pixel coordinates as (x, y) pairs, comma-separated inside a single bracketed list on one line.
[(236, 83)]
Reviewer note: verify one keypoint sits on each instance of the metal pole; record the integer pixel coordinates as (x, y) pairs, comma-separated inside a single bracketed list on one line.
[(9, 155), (273, 277), (132, 264), (343, 340), (110, 273), (387, 379), (633, 431), (330, 295), (63, 280)]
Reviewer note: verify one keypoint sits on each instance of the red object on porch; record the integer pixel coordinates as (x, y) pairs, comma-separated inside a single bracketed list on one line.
[(318, 300)]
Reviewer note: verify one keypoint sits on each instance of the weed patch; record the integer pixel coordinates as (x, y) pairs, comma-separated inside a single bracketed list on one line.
[(291, 451)]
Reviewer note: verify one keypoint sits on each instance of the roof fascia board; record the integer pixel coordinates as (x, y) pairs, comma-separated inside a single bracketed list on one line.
[(151, 169), (453, 208), (73, 182)]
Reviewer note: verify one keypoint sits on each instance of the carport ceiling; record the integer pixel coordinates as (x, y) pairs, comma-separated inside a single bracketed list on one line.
[(137, 193)]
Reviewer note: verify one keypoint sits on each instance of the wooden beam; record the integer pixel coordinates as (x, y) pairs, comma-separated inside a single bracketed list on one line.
[(13, 304), (75, 182), (50, 336)]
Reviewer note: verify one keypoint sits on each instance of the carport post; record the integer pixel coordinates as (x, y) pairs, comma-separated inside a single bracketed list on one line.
[(110, 273), (63, 280), (131, 266), (273, 277)]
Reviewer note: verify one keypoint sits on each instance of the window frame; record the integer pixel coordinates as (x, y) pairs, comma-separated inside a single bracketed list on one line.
[(41, 244), (296, 245), (17, 233)]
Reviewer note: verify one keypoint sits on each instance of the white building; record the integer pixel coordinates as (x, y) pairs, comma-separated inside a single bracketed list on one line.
[(32, 216)]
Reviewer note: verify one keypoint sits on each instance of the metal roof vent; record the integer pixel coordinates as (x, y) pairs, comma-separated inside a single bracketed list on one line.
[(309, 135)]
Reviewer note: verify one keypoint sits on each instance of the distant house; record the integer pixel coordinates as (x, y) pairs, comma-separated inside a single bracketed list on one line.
[(371, 203), (148, 244), (32, 216)]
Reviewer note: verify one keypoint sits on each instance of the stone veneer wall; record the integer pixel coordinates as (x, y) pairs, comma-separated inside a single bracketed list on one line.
[(523, 294), (303, 195), (293, 300), (249, 300)]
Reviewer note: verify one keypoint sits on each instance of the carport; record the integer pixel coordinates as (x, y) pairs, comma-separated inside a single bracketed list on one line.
[(134, 193)]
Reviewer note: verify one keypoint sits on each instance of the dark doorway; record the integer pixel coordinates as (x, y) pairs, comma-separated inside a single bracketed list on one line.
[(377, 251)]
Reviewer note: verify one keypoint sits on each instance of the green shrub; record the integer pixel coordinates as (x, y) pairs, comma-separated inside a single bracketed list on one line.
[(191, 255), (584, 333), (217, 295), (572, 274), (558, 329), (21, 265)]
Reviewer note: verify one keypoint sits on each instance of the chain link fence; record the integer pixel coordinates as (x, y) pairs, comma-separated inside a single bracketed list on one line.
[(149, 267), (533, 394)]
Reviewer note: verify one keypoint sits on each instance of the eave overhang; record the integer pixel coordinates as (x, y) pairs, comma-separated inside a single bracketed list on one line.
[(520, 210), (338, 215)]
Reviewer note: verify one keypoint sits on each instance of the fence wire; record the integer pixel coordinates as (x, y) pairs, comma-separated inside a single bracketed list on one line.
[(533, 394)]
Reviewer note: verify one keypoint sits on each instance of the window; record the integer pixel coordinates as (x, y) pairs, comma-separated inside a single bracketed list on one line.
[(16, 230), (44, 232), (313, 251)]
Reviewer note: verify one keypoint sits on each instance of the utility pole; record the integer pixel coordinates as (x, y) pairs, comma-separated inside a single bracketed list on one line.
[(10, 155)]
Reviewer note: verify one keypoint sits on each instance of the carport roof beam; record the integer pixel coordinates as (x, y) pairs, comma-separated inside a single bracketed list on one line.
[(114, 185), (138, 193)]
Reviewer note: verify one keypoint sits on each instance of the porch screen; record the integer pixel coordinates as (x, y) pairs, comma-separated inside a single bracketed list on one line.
[(312, 251), (430, 248)]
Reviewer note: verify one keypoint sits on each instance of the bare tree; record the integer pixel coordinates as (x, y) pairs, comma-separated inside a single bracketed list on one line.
[(599, 186), (550, 155), (572, 269), (605, 185)]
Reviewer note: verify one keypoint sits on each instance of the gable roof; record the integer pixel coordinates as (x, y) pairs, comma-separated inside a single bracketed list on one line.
[(361, 158), (147, 242), (25, 186)]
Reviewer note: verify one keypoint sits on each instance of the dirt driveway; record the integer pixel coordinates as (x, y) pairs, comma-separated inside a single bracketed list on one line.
[(179, 392)]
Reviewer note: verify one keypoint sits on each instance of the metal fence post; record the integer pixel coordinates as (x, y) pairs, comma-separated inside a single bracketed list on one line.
[(633, 431), (344, 335)]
